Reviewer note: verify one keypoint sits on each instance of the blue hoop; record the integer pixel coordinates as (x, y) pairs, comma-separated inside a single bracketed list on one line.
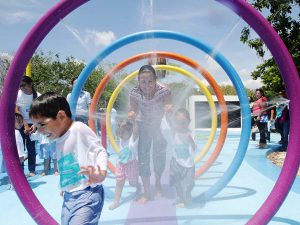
[(233, 75)]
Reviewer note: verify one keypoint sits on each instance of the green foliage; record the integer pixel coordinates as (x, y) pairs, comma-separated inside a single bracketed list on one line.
[(229, 90), (50, 73), (281, 15), (4, 65)]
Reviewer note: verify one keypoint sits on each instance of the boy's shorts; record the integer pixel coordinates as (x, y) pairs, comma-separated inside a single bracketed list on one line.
[(128, 170), (83, 207)]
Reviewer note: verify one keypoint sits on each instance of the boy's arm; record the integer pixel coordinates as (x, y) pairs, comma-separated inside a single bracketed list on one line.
[(96, 174), (95, 165)]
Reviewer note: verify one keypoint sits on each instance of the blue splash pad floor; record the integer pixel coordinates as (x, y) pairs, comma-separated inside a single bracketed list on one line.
[(235, 204)]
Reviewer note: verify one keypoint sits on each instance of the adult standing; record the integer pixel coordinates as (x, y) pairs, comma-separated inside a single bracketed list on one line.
[(148, 103), (26, 95), (261, 116), (83, 105), (283, 120)]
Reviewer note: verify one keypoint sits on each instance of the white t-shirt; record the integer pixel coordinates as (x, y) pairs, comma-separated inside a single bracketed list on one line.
[(23, 102), (84, 100), (183, 151), (20, 143), (128, 150), (79, 146)]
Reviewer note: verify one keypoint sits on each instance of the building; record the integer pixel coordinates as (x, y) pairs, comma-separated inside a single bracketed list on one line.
[(201, 114)]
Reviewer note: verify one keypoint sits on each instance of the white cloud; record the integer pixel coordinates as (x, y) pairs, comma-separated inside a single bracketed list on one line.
[(248, 81), (99, 38), (252, 84), (244, 73), (16, 17), (91, 39)]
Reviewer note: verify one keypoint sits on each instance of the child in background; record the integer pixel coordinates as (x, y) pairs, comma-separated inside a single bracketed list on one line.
[(182, 167), (47, 152), (127, 165), (82, 161), (19, 140)]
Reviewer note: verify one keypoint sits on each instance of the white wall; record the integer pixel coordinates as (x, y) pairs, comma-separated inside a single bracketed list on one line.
[(202, 98)]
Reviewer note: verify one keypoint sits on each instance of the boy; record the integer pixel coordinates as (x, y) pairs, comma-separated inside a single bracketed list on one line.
[(82, 161)]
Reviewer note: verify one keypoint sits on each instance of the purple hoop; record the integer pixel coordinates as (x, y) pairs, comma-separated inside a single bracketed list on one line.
[(63, 8), (7, 107), (291, 78)]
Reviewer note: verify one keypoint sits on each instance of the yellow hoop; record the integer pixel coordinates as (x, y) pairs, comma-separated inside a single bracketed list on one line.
[(211, 103)]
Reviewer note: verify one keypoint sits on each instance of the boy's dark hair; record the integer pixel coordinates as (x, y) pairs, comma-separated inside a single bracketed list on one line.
[(48, 105), (147, 68), (185, 112), (18, 117)]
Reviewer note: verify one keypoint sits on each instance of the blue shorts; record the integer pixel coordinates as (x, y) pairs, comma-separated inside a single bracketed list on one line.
[(48, 151), (83, 207)]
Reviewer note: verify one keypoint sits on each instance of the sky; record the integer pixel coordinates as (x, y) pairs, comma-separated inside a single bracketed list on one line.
[(96, 24)]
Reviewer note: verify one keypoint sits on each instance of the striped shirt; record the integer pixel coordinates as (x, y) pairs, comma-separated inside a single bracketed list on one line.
[(151, 111)]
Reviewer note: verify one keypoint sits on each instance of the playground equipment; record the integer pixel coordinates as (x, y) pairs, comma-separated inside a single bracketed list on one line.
[(59, 11)]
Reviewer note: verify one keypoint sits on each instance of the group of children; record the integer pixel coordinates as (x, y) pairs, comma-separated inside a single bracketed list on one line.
[(142, 130), (182, 167), (82, 160), (47, 149)]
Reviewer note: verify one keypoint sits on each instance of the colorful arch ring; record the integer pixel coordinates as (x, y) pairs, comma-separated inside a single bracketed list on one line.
[(59, 11), (183, 59), (211, 103), (234, 77)]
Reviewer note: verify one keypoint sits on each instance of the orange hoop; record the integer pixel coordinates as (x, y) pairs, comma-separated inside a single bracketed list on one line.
[(191, 63)]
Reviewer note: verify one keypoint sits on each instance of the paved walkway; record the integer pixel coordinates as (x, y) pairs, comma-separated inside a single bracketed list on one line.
[(235, 204)]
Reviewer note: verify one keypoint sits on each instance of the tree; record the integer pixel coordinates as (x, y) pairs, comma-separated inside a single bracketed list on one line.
[(281, 17), (4, 65), (50, 73), (228, 89)]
